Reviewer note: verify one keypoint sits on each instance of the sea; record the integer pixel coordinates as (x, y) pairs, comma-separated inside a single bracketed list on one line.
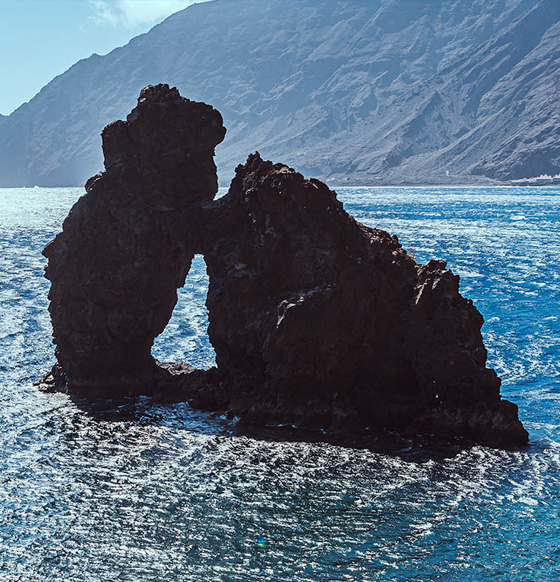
[(133, 491)]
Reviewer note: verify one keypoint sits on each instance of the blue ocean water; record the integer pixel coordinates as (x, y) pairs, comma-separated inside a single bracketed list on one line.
[(130, 491)]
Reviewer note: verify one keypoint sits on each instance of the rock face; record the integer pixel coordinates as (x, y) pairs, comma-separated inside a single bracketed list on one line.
[(320, 321), (316, 319), (127, 245)]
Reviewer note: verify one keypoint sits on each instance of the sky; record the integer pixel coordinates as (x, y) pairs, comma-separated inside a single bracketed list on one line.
[(40, 39)]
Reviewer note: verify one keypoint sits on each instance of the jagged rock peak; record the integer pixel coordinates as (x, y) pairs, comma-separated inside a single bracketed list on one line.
[(168, 142), (322, 322)]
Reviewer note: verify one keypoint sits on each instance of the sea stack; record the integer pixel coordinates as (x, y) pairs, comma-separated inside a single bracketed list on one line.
[(127, 245), (316, 319)]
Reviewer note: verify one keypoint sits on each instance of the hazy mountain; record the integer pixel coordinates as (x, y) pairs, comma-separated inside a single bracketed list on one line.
[(355, 91)]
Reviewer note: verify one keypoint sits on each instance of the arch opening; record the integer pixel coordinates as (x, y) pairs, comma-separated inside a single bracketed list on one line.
[(185, 338)]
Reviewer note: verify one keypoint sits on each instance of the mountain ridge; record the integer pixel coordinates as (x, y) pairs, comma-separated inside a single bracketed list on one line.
[(350, 91)]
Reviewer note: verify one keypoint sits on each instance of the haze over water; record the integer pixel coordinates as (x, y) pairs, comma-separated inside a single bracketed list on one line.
[(130, 491)]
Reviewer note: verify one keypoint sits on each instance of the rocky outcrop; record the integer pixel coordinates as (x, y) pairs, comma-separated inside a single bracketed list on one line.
[(127, 245), (320, 321), (316, 319)]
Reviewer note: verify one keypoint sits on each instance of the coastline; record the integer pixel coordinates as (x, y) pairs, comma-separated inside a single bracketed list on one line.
[(336, 184)]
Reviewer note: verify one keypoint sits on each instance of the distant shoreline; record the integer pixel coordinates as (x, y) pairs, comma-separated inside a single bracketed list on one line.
[(337, 185)]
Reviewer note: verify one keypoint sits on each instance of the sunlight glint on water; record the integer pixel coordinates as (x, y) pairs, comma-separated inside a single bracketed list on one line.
[(135, 492)]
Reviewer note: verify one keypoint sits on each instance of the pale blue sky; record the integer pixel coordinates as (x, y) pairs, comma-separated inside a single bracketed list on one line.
[(40, 39)]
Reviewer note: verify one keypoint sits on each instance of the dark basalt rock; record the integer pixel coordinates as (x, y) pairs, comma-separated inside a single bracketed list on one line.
[(127, 245), (320, 321), (316, 319)]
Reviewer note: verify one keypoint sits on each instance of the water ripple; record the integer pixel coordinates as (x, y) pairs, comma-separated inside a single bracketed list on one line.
[(131, 491)]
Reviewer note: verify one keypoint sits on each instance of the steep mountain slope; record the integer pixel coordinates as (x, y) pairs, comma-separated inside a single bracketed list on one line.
[(354, 91)]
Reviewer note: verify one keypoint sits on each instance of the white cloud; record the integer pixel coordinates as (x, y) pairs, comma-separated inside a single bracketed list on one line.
[(134, 13)]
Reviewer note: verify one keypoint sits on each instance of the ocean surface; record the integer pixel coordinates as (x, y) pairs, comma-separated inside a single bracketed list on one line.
[(130, 491)]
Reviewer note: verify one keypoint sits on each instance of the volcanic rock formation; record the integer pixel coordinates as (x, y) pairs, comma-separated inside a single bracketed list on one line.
[(127, 245), (316, 319)]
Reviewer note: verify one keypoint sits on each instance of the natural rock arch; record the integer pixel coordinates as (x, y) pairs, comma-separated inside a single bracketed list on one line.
[(316, 319)]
